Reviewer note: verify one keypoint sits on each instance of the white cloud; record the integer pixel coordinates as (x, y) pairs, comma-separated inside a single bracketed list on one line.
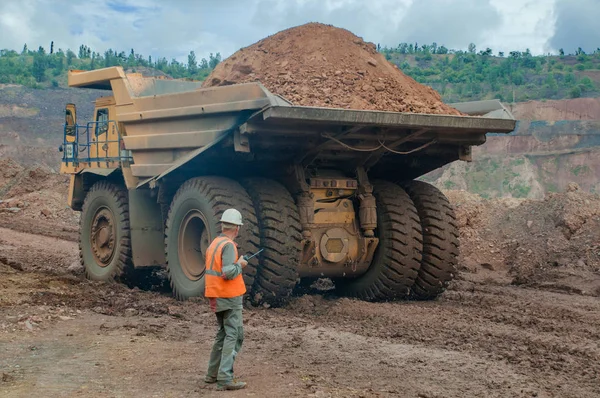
[(526, 24), (576, 25), (172, 29), (154, 28), (453, 23)]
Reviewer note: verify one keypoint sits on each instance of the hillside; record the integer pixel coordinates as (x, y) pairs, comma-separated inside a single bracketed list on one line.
[(555, 143), (520, 76), (457, 75), (31, 121), (557, 140)]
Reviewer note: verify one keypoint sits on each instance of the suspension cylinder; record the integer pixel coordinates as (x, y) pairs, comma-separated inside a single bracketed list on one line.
[(306, 211), (367, 214)]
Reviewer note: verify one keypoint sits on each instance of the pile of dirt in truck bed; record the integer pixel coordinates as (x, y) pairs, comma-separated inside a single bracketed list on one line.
[(551, 243), (321, 65)]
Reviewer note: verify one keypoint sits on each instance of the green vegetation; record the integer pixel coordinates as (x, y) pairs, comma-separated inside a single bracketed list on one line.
[(520, 191), (551, 187), (457, 75), (517, 162), (493, 177), (580, 169), (449, 184), (39, 69), (519, 76)]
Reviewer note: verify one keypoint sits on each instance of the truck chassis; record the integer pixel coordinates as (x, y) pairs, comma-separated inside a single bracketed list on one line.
[(326, 192)]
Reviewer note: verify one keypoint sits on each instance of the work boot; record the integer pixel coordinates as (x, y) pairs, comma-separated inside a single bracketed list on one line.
[(210, 380), (231, 385)]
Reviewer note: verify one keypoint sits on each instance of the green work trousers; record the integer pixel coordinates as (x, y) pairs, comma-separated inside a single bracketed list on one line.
[(228, 343)]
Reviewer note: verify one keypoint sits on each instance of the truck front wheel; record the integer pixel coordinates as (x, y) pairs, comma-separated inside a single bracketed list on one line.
[(193, 222), (104, 235)]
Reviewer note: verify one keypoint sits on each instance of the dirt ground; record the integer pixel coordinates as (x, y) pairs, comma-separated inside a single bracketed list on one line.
[(552, 243), (522, 318), (65, 336)]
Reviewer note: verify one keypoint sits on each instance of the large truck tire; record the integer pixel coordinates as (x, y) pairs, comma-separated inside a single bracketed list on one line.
[(104, 233), (440, 240), (397, 259), (193, 222), (281, 239)]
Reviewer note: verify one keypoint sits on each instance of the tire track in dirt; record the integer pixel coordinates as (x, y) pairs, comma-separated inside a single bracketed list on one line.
[(477, 340), (549, 336)]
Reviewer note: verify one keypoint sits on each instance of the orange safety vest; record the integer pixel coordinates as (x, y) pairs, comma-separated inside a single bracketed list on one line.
[(215, 283)]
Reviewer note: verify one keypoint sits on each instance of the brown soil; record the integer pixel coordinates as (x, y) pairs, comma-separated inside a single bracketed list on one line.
[(35, 198), (572, 109), (520, 319), (67, 336), (552, 243), (321, 65), (29, 156), (9, 170)]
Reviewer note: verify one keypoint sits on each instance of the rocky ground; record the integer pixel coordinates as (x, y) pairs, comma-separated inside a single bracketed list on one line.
[(522, 318), (552, 243), (67, 336)]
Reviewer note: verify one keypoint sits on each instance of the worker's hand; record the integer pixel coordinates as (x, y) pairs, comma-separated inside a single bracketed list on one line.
[(242, 262)]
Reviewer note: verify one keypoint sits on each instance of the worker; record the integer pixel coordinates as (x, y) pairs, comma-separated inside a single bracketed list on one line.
[(225, 289)]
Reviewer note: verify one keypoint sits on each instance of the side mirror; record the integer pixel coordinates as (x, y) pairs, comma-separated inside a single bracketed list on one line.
[(70, 119)]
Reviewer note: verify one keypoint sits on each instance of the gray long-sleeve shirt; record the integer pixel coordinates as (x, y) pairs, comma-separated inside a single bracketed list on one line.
[(230, 269)]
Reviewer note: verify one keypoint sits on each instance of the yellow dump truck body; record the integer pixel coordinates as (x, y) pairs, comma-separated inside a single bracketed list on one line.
[(326, 192), (162, 123)]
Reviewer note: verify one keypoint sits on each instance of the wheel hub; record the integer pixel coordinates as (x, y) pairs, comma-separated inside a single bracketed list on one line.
[(193, 242), (103, 236)]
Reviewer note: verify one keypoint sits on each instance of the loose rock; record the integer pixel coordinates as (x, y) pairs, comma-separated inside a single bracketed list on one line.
[(300, 54)]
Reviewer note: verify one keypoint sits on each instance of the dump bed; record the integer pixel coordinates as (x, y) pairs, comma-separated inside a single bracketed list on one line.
[(168, 124)]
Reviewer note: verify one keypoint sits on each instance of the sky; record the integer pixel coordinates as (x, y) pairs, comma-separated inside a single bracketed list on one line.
[(173, 28)]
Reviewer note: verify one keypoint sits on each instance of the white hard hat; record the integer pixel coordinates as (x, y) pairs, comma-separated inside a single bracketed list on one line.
[(232, 216)]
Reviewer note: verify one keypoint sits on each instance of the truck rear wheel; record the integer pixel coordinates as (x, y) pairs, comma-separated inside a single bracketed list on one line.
[(280, 237), (193, 222), (440, 240), (104, 234), (397, 258)]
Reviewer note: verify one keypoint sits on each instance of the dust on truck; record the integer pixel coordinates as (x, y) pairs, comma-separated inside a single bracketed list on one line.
[(327, 193)]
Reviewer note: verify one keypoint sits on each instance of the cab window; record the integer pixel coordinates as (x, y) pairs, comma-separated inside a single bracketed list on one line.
[(69, 122), (101, 121)]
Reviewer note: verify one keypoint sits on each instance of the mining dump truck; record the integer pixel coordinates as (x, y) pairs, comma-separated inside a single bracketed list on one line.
[(327, 193)]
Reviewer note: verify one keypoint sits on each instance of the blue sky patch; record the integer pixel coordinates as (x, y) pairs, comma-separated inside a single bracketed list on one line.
[(120, 7), (75, 30)]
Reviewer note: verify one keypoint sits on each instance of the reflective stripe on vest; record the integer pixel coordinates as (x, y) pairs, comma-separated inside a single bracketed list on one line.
[(214, 273), (211, 254), (215, 284)]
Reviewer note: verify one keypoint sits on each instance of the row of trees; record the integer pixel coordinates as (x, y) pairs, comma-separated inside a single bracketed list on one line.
[(472, 75), (458, 75), (38, 68), (434, 48)]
